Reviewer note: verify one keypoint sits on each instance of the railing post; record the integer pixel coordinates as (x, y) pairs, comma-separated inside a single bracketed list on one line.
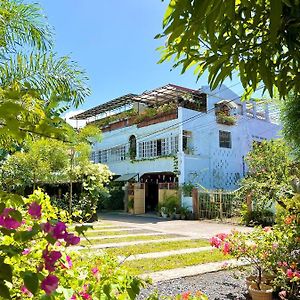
[(195, 203), (221, 206)]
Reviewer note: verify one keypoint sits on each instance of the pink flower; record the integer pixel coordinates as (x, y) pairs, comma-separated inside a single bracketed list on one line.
[(84, 293), (72, 239), (59, 230), (47, 227), (289, 273), (95, 271), (7, 221), (215, 242), (49, 284), (69, 261), (275, 246), (226, 248), (222, 236), (50, 258), (73, 297), (297, 274), (35, 210), (26, 251), (25, 291)]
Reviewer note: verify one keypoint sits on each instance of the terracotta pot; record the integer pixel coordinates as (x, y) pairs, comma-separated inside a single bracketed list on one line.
[(265, 293), (249, 280)]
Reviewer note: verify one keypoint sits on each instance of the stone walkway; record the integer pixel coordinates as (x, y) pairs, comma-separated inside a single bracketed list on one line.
[(153, 226)]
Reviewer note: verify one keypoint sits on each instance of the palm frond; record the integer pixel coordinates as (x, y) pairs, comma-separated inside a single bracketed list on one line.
[(23, 24), (56, 79)]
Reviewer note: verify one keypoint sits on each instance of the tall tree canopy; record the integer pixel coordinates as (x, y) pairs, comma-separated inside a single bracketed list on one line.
[(259, 38), (35, 84)]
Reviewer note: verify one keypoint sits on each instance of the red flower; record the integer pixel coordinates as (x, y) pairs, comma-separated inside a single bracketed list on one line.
[(35, 210), (215, 242), (289, 273), (49, 284), (186, 295), (226, 248)]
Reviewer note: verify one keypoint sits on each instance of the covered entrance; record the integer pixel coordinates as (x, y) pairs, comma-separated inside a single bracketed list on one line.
[(154, 183)]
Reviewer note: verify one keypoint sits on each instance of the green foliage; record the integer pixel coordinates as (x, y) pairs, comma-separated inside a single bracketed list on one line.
[(270, 171), (170, 205), (187, 189), (290, 116), (260, 39), (255, 217)]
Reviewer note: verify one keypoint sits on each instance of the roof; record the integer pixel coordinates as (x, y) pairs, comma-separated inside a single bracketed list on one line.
[(126, 177), (110, 105), (230, 103), (164, 94)]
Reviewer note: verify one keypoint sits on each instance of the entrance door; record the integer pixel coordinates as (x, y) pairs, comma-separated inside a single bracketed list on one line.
[(151, 196)]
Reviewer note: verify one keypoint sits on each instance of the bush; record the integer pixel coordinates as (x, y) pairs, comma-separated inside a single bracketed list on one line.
[(114, 198), (262, 217)]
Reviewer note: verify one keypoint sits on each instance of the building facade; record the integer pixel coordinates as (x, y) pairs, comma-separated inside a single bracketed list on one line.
[(171, 136)]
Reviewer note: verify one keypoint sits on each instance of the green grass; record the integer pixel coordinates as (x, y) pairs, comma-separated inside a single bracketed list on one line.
[(148, 265), (157, 247), (127, 239), (90, 233)]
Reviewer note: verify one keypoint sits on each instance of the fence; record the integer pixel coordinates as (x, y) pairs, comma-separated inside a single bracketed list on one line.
[(219, 205)]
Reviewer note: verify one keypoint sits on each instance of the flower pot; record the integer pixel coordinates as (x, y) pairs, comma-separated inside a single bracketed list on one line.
[(265, 293), (164, 215), (177, 216), (249, 280)]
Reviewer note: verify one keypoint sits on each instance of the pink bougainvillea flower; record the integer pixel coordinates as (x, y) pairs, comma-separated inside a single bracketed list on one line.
[(226, 248), (59, 230), (49, 284), (215, 242), (95, 271), (25, 291), (73, 297), (26, 251), (84, 294), (50, 258), (47, 227), (7, 221), (69, 261), (72, 239), (222, 236), (35, 210), (289, 273)]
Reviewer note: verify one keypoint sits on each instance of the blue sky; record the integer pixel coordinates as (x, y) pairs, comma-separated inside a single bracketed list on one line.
[(114, 42)]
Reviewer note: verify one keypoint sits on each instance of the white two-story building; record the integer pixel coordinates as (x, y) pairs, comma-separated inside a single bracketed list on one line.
[(173, 135)]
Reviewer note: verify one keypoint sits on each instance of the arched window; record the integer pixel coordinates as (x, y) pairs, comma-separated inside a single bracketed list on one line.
[(132, 147)]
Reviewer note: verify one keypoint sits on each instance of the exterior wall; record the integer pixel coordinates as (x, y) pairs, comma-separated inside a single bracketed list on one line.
[(207, 164), (148, 133)]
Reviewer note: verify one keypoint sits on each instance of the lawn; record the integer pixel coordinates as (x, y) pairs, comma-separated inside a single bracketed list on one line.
[(126, 239), (93, 233), (157, 247), (148, 265)]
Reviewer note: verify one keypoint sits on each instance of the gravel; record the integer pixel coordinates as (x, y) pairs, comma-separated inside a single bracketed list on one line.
[(217, 285)]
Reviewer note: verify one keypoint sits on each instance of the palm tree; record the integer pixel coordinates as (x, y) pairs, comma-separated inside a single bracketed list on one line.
[(35, 84)]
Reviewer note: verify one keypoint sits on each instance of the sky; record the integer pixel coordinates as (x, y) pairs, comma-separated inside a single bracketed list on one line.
[(113, 41)]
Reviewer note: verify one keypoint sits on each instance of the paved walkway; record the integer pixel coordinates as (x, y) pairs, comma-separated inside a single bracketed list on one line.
[(192, 228), (190, 271)]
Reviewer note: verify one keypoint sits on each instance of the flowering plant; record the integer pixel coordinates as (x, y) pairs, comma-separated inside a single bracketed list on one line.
[(35, 261)]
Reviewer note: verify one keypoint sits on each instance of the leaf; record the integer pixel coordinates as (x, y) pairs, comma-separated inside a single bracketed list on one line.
[(275, 15), (5, 272), (4, 291), (31, 282), (83, 228)]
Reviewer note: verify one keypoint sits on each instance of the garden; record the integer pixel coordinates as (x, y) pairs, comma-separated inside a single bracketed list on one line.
[(49, 188)]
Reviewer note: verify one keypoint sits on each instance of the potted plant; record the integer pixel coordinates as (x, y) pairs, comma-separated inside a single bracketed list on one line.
[(131, 206), (164, 212), (255, 248)]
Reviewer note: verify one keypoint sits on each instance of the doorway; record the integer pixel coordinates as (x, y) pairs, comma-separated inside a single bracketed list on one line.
[(151, 196)]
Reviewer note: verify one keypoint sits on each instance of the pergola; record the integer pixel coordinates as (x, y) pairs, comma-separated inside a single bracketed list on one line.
[(158, 96)]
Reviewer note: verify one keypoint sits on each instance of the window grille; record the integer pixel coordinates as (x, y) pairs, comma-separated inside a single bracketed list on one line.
[(225, 139)]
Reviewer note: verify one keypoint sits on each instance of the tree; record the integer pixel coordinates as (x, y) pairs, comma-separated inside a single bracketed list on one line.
[(260, 39), (36, 85)]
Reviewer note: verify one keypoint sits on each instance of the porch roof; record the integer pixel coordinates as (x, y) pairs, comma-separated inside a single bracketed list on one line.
[(126, 177)]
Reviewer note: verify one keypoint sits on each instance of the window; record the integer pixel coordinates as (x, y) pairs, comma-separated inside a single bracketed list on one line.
[(93, 157), (225, 139), (132, 147), (103, 156)]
